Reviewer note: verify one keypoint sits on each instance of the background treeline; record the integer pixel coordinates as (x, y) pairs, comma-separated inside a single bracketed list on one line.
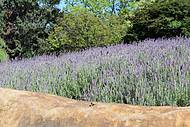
[(36, 27)]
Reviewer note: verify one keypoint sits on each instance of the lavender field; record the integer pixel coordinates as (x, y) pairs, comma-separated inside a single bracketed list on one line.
[(153, 72)]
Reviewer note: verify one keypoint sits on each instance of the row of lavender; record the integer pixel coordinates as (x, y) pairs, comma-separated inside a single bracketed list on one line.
[(153, 72)]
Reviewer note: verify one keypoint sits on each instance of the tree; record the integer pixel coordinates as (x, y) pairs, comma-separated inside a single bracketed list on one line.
[(25, 25), (99, 7), (159, 18)]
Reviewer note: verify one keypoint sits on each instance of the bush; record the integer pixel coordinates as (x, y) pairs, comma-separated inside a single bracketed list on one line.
[(160, 18), (82, 29), (3, 54), (150, 73)]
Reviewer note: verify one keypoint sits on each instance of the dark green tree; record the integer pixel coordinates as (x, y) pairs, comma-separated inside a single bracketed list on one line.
[(25, 25), (161, 18)]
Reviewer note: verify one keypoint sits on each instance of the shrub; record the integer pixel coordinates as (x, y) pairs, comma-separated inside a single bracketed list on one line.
[(3, 54), (150, 73), (82, 29)]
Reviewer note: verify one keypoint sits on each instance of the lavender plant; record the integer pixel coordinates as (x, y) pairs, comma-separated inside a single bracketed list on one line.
[(152, 72)]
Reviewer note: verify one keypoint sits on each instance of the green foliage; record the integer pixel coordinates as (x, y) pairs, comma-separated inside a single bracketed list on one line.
[(95, 6), (158, 18), (25, 25), (3, 54), (82, 29)]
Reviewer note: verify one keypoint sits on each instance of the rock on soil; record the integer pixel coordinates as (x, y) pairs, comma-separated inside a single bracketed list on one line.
[(27, 109)]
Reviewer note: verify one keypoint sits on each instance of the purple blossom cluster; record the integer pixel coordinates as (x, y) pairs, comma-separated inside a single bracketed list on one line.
[(152, 72)]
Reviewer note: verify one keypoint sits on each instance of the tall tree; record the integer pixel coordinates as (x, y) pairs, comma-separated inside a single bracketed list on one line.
[(25, 25)]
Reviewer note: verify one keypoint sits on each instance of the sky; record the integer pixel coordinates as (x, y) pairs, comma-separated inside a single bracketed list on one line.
[(61, 5)]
